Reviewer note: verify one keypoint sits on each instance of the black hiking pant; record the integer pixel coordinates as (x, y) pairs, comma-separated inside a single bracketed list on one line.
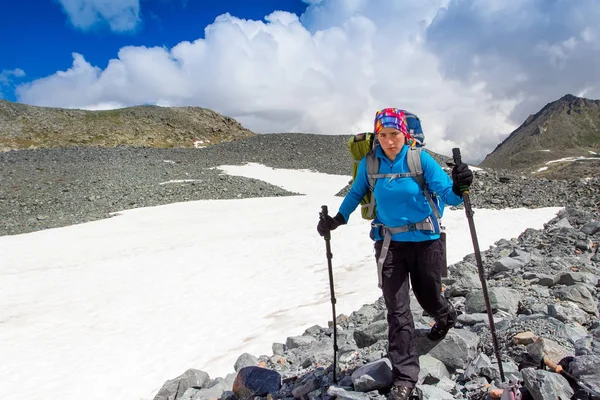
[(423, 262)]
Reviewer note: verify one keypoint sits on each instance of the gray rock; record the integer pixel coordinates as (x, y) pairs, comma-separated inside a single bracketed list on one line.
[(571, 278), (546, 347), (367, 313), (500, 299), (524, 256), (546, 385), (464, 285), (541, 291), (381, 316), (456, 348), (539, 308), (432, 370), (507, 264), (510, 369), (371, 334), (294, 342), (313, 330), (585, 368), (305, 388), (479, 366), (568, 312), (591, 228), (580, 295), (474, 319), (586, 346), (584, 245), (245, 360), (446, 384), (256, 381), (278, 348), (545, 280), (344, 394), (176, 388), (476, 384), (373, 376), (574, 332), (346, 353), (434, 393), (215, 391)]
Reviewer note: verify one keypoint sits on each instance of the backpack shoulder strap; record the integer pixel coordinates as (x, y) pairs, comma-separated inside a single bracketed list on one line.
[(372, 168), (413, 158)]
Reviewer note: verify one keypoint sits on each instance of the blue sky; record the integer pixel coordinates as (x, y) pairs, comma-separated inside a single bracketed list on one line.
[(44, 35), (473, 70)]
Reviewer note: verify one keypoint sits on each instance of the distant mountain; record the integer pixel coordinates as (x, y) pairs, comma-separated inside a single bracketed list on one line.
[(567, 130), (23, 126)]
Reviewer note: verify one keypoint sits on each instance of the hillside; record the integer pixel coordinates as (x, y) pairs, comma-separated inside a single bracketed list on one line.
[(567, 129), (23, 126)]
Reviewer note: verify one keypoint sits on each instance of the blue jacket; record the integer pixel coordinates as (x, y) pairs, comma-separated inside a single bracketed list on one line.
[(401, 201)]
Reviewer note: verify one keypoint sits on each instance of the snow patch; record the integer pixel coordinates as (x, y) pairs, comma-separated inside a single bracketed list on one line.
[(180, 181)]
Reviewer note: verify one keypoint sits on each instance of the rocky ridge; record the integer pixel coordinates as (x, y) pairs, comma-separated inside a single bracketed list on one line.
[(24, 127)]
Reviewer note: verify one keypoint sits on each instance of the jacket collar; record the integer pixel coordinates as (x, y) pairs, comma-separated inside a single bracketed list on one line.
[(380, 154)]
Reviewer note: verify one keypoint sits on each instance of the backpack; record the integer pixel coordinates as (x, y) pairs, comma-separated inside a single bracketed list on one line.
[(363, 145)]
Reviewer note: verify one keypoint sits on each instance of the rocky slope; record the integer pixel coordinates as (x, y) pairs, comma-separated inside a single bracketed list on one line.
[(23, 127), (568, 128), (544, 288)]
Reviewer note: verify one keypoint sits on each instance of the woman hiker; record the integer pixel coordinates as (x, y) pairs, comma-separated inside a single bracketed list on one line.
[(415, 249)]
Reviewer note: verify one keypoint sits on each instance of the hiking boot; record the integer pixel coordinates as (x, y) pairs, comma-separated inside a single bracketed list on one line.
[(400, 393), (438, 332)]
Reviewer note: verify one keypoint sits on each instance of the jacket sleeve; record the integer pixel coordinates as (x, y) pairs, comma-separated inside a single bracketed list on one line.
[(438, 180), (359, 188)]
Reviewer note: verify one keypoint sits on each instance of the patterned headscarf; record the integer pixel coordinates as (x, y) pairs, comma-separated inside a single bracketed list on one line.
[(391, 118)]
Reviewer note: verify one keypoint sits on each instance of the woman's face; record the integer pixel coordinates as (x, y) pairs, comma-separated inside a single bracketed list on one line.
[(391, 141)]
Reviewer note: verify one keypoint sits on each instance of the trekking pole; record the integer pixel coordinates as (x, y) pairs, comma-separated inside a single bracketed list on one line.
[(486, 297), (559, 370), (327, 237)]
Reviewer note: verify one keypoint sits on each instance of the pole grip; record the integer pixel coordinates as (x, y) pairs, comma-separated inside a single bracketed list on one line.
[(456, 156), (457, 161), (324, 211), (550, 364)]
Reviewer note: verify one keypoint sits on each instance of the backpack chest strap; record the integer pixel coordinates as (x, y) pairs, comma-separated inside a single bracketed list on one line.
[(393, 176)]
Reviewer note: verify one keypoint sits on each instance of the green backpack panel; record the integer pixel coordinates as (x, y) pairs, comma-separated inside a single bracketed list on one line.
[(359, 146)]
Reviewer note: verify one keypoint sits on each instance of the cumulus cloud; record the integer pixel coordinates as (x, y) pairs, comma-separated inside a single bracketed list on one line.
[(119, 15), (532, 51), (471, 69), (7, 76)]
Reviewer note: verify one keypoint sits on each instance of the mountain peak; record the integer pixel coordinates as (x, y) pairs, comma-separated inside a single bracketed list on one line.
[(567, 127), (569, 98)]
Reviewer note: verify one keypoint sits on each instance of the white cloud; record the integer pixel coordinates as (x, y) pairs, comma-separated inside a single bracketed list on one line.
[(472, 70), (533, 51), (6, 75), (120, 15)]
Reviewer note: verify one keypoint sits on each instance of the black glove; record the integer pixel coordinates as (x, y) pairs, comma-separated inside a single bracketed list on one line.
[(462, 177), (329, 223)]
